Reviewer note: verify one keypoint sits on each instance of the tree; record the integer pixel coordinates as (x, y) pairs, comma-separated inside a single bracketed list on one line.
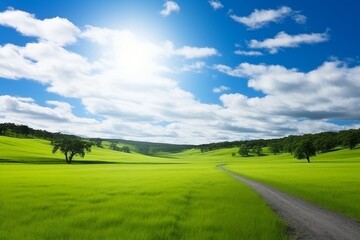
[(350, 138), (244, 150), (289, 143), (113, 146), (71, 147), (125, 149), (233, 154), (305, 149), (97, 142), (257, 149), (325, 142), (275, 147)]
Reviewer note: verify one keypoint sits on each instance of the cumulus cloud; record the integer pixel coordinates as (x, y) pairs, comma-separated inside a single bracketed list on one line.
[(57, 30), (196, 52), (196, 66), (169, 7), (221, 89), (248, 53), (125, 93), (261, 18), (123, 84), (215, 4), (56, 116), (328, 92), (284, 40)]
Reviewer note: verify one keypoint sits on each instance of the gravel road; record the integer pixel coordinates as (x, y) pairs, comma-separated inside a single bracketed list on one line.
[(305, 220)]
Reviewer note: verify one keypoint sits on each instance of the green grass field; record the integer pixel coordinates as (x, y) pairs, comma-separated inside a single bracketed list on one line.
[(332, 180), (136, 197), (172, 196)]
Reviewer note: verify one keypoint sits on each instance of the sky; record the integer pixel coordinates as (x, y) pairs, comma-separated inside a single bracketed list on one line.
[(180, 71)]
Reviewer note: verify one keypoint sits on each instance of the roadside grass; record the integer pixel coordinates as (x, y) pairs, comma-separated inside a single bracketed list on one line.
[(331, 180), (124, 201)]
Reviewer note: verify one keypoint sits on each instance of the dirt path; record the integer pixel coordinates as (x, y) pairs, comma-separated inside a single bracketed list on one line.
[(305, 220)]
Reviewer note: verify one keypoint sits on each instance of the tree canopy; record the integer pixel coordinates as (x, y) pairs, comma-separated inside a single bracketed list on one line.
[(71, 147), (244, 150), (305, 149)]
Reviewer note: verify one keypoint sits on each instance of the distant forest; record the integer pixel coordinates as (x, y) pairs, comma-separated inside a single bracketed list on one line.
[(323, 142), (148, 148)]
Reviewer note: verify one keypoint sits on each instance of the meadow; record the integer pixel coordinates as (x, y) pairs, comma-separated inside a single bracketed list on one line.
[(124, 196), (112, 195), (331, 180)]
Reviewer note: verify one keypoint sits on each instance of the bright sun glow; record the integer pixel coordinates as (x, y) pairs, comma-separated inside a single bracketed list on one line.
[(135, 56)]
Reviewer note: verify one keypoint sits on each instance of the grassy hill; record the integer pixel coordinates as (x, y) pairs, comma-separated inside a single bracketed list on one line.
[(26, 150), (169, 196), (141, 197)]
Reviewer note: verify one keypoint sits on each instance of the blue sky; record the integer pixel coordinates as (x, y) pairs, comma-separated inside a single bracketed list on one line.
[(180, 71)]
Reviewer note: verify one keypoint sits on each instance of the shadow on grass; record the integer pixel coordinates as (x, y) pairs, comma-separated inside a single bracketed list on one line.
[(81, 162)]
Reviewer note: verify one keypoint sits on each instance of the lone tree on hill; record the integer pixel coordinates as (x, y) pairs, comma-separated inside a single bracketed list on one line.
[(305, 149), (71, 147)]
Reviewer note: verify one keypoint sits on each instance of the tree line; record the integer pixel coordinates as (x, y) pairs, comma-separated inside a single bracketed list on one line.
[(71, 145), (15, 130), (302, 146)]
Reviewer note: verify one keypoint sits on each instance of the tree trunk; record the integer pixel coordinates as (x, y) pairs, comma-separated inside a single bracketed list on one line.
[(308, 159), (71, 157), (66, 158)]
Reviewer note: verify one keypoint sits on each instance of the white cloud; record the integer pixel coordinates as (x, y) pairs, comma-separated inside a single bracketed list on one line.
[(215, 4), (57, 118), (169, 7), (196, 52), (128, 97), (123, 85), (196, 66), (221, 89), (56, 30), (261, 18), (299, 18), (284, 40), (328, 92), (248, 53)]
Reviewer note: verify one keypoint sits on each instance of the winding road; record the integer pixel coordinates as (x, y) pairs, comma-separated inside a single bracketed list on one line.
[(305, 220)]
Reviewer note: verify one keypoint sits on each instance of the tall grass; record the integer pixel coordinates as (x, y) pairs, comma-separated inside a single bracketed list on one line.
[(146, 198)]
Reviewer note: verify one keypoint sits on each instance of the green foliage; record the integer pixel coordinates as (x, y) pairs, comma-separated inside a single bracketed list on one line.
[(97, 142), (325, 142), (350, 138), (275, 147), (125, 149), (11, 129), (71, 147), (244, 150), (289, 143), (305, 149), (257, 150)]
